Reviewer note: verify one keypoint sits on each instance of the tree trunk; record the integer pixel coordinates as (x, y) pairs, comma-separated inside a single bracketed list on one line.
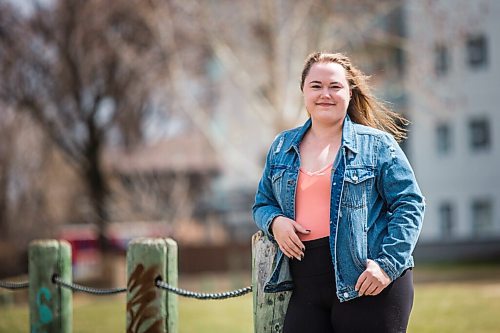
[(97, 185), (98, 198), (98, 192)]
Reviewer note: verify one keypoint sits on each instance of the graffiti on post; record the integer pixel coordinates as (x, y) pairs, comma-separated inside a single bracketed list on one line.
[(140, 309), (45, 315)]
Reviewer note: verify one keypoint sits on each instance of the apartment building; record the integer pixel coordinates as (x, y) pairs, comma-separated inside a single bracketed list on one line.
[(452, 82)]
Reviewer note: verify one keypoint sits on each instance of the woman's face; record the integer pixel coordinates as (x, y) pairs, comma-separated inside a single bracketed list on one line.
[(326, 93)]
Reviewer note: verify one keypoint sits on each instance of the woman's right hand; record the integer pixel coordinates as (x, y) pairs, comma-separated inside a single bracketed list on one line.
[(285, 232)]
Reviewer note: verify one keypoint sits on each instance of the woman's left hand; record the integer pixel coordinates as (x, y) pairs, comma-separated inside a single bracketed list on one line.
[(373, 280)]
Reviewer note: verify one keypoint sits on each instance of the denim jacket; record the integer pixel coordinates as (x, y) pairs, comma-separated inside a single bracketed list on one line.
[(379, 215)]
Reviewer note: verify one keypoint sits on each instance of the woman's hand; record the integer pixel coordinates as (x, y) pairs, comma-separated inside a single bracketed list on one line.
[(285, 232), (373, 280)]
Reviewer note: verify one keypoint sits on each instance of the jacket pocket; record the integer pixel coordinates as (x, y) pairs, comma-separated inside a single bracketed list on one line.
[(357, 184)]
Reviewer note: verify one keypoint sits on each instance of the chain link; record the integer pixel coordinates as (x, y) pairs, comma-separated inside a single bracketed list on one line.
[(94, 291), (203, 296), (14, 285)]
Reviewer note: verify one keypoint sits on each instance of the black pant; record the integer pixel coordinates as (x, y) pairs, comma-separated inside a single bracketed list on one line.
[(315, 308)]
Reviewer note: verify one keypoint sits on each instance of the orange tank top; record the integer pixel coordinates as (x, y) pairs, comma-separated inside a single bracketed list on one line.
[(312, 202)]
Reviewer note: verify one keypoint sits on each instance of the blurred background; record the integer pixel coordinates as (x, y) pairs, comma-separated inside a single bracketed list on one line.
[(129, 118)]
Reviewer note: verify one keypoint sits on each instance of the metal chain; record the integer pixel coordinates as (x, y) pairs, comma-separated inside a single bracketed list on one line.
[(160, 284), (14, 285), (95, 291), (203, 296)]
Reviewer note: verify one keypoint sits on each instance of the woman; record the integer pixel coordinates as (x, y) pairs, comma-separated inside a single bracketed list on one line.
[(340, 199)]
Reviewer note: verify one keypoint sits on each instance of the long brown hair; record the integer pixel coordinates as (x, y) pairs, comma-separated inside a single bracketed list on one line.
[(364, 108)]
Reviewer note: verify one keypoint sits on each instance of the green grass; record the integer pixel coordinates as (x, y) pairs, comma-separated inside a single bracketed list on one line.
[(456, 307), (107, 314), (439, 307)]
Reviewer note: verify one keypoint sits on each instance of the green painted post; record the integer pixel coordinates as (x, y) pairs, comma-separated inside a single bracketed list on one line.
[(50, 305), (150, 309), (269, 309)]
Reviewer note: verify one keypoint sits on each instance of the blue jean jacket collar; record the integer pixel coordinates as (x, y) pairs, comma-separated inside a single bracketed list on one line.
[(348, 135)]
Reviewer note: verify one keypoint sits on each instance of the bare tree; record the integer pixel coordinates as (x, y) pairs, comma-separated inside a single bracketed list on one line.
[(84, 71)]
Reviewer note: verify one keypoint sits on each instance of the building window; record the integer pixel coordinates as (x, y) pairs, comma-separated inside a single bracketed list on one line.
[(447, 220), (441, 60), (477, 51), (480, 137), (443, 138), (482, 217)]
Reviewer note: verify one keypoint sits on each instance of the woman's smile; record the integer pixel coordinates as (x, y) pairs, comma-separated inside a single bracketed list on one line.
[(325, 104)]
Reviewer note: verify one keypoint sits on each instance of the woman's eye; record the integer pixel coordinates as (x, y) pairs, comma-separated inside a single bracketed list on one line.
[(316, 87)]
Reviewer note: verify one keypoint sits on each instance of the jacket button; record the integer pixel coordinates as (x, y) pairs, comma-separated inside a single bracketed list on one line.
[(355, 178), (346, 294)]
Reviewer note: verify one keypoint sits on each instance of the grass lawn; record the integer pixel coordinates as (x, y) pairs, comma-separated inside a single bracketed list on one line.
[(467, 306), (456, 307), (107, 314)]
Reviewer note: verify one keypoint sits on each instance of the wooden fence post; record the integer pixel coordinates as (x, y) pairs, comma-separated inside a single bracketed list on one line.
[(150, 309), (268, 308), (50, 305)]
